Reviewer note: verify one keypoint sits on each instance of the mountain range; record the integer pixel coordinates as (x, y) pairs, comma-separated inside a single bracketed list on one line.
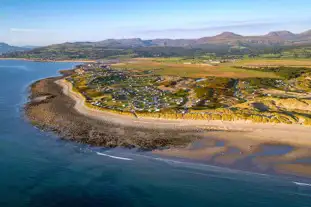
[(227, 38), (222, 44), (281, 38)]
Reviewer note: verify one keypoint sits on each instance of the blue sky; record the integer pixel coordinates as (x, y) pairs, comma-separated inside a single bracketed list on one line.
[(42, 22)]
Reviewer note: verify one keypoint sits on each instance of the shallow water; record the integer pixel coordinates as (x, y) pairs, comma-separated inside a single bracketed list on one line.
[(274, 150), (38, 169)]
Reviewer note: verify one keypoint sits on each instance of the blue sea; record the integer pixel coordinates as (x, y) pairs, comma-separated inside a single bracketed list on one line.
[(38, 169)]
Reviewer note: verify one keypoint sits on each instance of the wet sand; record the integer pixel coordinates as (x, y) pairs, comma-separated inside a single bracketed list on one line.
[(296, 135), (238, 151), (294, 169), (258, 147)]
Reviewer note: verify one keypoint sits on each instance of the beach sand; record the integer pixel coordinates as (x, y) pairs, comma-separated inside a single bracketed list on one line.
[(237, 132), (294, 169), (262, 147)]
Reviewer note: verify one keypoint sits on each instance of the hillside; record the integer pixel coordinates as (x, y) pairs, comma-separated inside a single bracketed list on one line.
[(5, 48), (226, 43), (272, 38)]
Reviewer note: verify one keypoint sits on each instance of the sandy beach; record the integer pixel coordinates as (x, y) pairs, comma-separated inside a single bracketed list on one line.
[(295, 135), (54, 106), (275, 148)]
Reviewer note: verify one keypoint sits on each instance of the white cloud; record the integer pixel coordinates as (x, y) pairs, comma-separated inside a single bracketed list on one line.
[(245, 26), (27, 30)]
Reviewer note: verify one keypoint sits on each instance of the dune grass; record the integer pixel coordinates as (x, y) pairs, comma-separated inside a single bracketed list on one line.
[(276, 62)]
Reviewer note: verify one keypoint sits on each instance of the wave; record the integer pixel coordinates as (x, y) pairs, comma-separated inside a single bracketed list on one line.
[(168, 160), (302, 184), (205, 167), (114, 157)]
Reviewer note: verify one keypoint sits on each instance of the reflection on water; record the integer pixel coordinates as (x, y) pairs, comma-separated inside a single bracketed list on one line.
[(303, 160), (273, 150), (247, 155)]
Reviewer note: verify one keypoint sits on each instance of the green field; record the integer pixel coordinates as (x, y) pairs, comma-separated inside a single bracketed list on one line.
[(164, 68)]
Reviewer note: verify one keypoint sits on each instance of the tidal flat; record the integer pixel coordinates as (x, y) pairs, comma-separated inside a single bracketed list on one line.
[(50, 109)]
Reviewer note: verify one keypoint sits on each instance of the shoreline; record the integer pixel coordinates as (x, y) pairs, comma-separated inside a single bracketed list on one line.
[(294, 135), (56, 61), (269, 148), (50, 109)]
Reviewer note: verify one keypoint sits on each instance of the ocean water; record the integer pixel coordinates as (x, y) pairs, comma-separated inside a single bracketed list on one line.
[(38, 169)]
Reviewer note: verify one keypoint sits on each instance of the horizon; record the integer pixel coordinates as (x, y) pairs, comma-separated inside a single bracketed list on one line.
[(54, 22)]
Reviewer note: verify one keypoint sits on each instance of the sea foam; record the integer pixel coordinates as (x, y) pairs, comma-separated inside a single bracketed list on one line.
[(114, 157), (302, 184)]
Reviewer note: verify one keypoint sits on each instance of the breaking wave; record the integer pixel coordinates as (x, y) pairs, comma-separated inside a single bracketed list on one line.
[(114, 157), (302, 184)]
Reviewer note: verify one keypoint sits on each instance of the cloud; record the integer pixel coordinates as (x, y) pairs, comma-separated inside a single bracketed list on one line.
[(26, 30), (213, 28), (210, 26)]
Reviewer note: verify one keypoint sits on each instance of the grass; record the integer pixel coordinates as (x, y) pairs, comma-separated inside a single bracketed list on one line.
[(276, 62), (215, 95), (192, 70)]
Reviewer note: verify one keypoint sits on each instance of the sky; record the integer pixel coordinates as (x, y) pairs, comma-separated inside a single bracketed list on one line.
[(44, 22)]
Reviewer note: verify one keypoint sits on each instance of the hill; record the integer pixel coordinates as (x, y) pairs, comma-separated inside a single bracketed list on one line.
[(226, 43), (272, 38), (5, 48)]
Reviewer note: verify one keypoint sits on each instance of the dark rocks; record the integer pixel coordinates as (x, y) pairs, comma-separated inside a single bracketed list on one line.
[(56, 113)]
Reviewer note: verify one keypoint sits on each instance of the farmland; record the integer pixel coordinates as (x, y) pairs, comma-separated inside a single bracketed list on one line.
[(275, 62), (184, 69)]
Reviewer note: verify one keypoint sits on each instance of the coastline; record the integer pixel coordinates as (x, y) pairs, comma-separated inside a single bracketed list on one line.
[(51, 110), (251, 146), (295, 135), (269, 148), (59, 61)]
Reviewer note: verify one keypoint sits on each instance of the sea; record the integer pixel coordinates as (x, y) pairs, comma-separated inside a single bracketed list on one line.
[(38, 169)]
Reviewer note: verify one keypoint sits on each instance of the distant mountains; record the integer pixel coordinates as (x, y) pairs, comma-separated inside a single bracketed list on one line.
[(5, 48), (30, 47), (225, 38), (226, 43)]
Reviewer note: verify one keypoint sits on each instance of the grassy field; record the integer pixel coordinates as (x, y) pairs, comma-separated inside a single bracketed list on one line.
[(275, 62), (192, 70)]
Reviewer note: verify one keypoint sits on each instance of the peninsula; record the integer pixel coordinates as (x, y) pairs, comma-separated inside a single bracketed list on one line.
[(233, 94), (167, 105)]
